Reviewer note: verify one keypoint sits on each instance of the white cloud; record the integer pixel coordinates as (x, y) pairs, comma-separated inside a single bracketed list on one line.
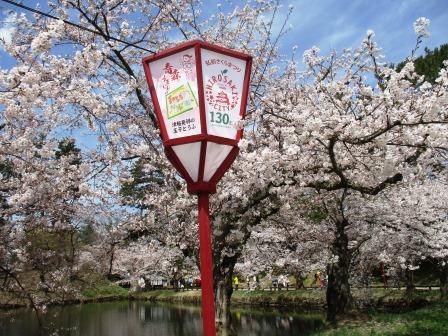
[(7, 29), (5, 35)]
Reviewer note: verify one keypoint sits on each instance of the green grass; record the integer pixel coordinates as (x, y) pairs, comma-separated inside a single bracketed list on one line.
[(312, 298), (105, 290), (291, 297), (316, 297), (169, 296), (431, 320), (385, 295)]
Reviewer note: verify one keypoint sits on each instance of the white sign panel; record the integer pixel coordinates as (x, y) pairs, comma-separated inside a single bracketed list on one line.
[(175, 82), (223, 87)]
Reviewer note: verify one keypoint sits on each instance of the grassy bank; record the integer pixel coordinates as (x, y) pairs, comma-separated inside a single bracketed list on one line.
[(106, 290), (306, 299), (103, 291), (431, 320)]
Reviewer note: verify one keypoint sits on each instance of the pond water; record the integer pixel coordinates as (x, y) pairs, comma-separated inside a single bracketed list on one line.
[(138, 318)]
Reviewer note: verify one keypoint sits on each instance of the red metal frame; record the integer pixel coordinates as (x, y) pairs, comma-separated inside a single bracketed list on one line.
[(244, 95), (200, 137), (172, 157), (186, 45), (200, 89), (225, 166), (155, 101)]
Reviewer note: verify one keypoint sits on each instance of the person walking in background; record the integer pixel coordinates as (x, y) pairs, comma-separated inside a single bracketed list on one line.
[(318, 280), (235, 282)]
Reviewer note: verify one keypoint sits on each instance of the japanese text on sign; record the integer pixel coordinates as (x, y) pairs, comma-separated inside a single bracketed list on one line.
[(176, 86)]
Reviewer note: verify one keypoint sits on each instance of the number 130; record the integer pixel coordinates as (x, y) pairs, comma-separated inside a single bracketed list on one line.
[(219, 118)]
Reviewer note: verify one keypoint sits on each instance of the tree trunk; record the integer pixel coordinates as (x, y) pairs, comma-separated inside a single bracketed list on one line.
[(409, 284), (111, 261), (223, 294), (175, 283), (383, 275), (338, 288), (444, 282), (299, 281)]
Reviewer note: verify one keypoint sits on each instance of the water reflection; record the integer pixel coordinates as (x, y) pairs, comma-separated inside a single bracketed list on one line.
[(275, 322), (134, 318)]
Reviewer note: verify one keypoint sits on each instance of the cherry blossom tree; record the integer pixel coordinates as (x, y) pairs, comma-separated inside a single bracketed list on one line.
[(43, 203), (351, 126), (345, 129), (69, 79), (415, 216), (294, 241)]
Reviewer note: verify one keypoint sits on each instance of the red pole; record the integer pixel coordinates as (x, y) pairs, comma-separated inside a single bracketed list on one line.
[(205, 248)]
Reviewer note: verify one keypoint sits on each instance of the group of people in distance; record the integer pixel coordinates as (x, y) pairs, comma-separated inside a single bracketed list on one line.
[(281, 281)]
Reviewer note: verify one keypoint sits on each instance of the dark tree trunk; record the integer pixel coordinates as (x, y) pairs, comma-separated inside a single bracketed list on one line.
[(299, 281), (43, 280), (175, 282), (444, 282), (223, 294), (72, 249), (338, 288), (383, 275), (409, 276), (111, 260)]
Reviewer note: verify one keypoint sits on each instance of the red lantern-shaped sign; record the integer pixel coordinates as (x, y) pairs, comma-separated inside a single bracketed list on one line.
[(199, 92)]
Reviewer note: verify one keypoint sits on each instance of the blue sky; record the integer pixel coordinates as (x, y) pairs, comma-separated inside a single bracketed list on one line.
[(333, 24)]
